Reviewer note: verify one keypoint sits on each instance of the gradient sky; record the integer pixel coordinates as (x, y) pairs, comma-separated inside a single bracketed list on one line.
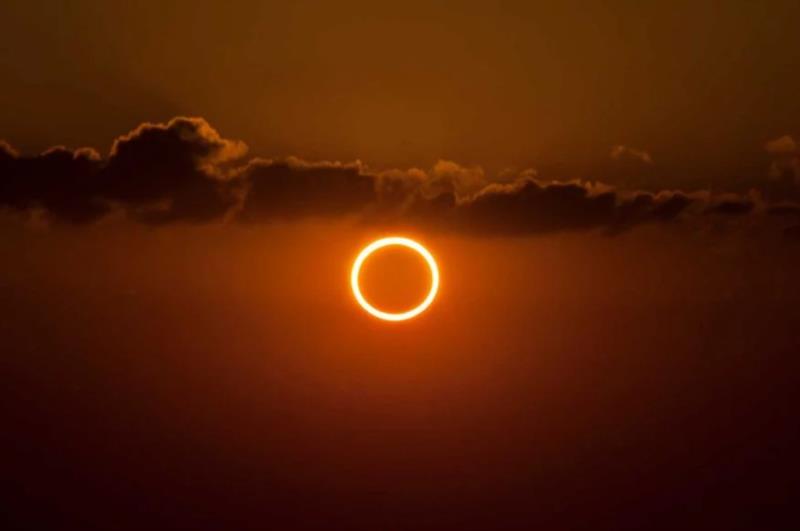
[(699, 85), (612, 193)]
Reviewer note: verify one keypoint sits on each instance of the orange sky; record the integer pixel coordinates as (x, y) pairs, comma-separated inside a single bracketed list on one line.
[(611, 191), (700, 85), (203, 363)]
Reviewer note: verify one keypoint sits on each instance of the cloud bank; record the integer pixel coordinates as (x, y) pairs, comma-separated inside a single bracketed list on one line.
[(184, 171)]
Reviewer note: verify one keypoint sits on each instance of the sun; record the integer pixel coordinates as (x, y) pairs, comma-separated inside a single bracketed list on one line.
[(387, 242)]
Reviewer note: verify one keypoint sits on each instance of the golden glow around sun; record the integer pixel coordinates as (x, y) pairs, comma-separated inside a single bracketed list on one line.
[(402, 242)]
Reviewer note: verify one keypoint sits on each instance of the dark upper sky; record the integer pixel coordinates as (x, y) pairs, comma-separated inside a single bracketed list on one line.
[(700, 86)]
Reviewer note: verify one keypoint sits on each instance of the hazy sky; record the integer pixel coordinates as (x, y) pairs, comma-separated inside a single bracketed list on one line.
[(701, 86), (612, 193), (225, 377)]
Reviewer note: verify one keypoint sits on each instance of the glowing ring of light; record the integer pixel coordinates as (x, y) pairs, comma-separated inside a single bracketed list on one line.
[(402, 242)]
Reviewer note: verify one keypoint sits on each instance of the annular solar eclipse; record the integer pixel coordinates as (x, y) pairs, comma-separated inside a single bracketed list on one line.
[(387, 242)]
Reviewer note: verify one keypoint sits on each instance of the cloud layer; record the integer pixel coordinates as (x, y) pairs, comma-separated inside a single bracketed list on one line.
[(184, 170)]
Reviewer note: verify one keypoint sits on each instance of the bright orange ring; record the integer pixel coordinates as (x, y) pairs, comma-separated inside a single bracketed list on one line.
[(386, 242)]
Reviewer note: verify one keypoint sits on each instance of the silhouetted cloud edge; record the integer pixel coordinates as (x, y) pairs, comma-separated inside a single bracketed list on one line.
[(185, 171)]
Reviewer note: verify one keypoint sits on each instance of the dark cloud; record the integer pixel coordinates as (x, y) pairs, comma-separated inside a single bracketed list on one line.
[(172, 171), (158, 172), (528, 206), (184, 170), (669, 205), (62, 181), (738, 206), (294, 188)]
